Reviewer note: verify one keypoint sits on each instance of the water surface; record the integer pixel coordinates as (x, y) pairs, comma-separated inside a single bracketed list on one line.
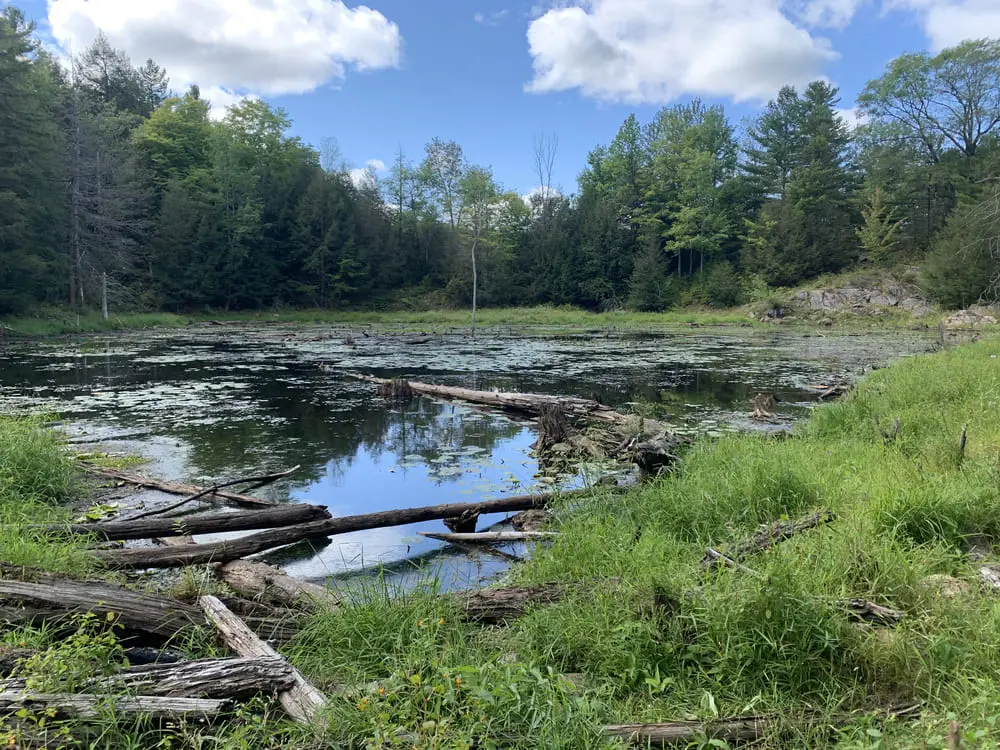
[(211, 403)]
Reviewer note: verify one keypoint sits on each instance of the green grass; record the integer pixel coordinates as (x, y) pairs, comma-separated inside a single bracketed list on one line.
[(656, 638)]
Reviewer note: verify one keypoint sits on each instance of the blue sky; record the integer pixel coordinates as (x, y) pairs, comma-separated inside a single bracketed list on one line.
[(494, 74)]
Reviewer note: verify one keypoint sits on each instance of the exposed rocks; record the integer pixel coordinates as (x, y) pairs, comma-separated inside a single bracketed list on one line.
[(947, 587), (863, 299), (971, 317)]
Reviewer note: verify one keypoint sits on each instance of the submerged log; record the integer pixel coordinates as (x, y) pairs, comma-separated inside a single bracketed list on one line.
[(252, 544), (175, 488), (208, 523), (260, 581), (492, 537), (301, 701), (86, 706)]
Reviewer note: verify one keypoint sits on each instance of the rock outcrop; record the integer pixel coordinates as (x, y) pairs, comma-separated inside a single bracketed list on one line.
[(862, 299)]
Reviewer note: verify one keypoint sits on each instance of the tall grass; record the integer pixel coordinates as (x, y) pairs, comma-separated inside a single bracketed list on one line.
[(779, 641)]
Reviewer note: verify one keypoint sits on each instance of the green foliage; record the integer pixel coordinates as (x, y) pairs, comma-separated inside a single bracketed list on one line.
[(722, 286), (963, 266), (649, 289), (879, 232), (32, 464), (66, 665)]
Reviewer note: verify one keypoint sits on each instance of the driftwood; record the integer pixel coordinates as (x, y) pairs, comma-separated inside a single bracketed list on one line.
[(735, 730), (770, 535), (57, 597), (252, 544), (493, 606), (302, 701), (254, 482), (86, 706), (862, 610), (208, 523), (492, 537), (174, 488), (260, 581)]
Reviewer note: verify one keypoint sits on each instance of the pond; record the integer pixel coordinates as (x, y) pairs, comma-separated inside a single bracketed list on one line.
[(209, 403)]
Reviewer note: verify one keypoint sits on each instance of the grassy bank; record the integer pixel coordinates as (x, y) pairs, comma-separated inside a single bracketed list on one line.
[(667, 641)]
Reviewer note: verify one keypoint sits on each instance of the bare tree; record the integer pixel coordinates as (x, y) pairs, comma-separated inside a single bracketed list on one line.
[(546, 148)]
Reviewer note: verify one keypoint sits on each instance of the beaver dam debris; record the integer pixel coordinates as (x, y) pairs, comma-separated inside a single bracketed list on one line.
[(568, 427)]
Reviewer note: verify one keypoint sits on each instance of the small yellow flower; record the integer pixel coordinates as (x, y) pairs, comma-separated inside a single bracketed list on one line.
[(441, 621), (12, 741), (420, 623), (363, 705), (458, 680), (381, 691)]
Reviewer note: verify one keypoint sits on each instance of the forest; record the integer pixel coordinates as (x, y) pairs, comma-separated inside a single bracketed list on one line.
[(113, 186)]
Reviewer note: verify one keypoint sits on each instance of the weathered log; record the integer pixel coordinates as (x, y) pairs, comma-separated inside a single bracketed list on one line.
[(494, 606), (770, 535), (730, 731), (260, 581), (492, 537), (531, 520), (302, 701), (144, 613), (174, 488), (718, 558), (862, 610), (208, 523), (532, 404), (252, 544), (85, 706), (236, 678), (254, 482)]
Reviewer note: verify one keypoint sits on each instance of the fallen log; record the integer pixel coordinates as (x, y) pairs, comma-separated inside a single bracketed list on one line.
[(260, 581), (865, 611), (496, 606), (174, 488), (85, 706), (532, 404), (770, 535), (302, 701), (208, 523), (235, 678), (492, 537), (22, 602), (254, 482), (252, 544)]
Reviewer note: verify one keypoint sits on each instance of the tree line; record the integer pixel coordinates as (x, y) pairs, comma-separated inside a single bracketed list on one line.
[(113, 187)]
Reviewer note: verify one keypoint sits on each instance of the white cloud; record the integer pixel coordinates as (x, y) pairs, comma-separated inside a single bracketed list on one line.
[(491, 19), (368, 174), (652, 51), (234, 47), (853, 118), (948, 22), (835, 14)]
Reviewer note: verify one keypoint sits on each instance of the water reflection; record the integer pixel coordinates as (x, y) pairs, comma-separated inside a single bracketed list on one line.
[(243, 401)]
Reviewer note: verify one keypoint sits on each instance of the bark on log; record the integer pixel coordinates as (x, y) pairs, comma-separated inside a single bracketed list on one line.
[(532, 404), (495, 606), (260, 581), (176, 488), (156, 615), (207, 523), (252, 544), (873, 614), (85, 706), (492, 537), (238, 679), (302, 702), (730, 731), (770, 535)]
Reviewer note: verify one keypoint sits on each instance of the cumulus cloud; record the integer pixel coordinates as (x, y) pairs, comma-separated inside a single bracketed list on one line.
[(948, 22), (234, 47), (367, 176), (852, 118), (824, 13), (653, 51)]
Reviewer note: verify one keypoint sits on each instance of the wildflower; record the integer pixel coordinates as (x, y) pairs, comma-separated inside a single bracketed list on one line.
[(458, 680), (381, 691), (441, 621), (420, 623), (363, 705)]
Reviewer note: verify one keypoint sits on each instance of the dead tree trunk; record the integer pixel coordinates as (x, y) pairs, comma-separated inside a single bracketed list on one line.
[(259, 581), (492, 537), (209, 523), (252, 544), (85, 706), (302, 701)]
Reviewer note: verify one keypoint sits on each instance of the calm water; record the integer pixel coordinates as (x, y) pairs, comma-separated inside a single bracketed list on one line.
[(211, 403)]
